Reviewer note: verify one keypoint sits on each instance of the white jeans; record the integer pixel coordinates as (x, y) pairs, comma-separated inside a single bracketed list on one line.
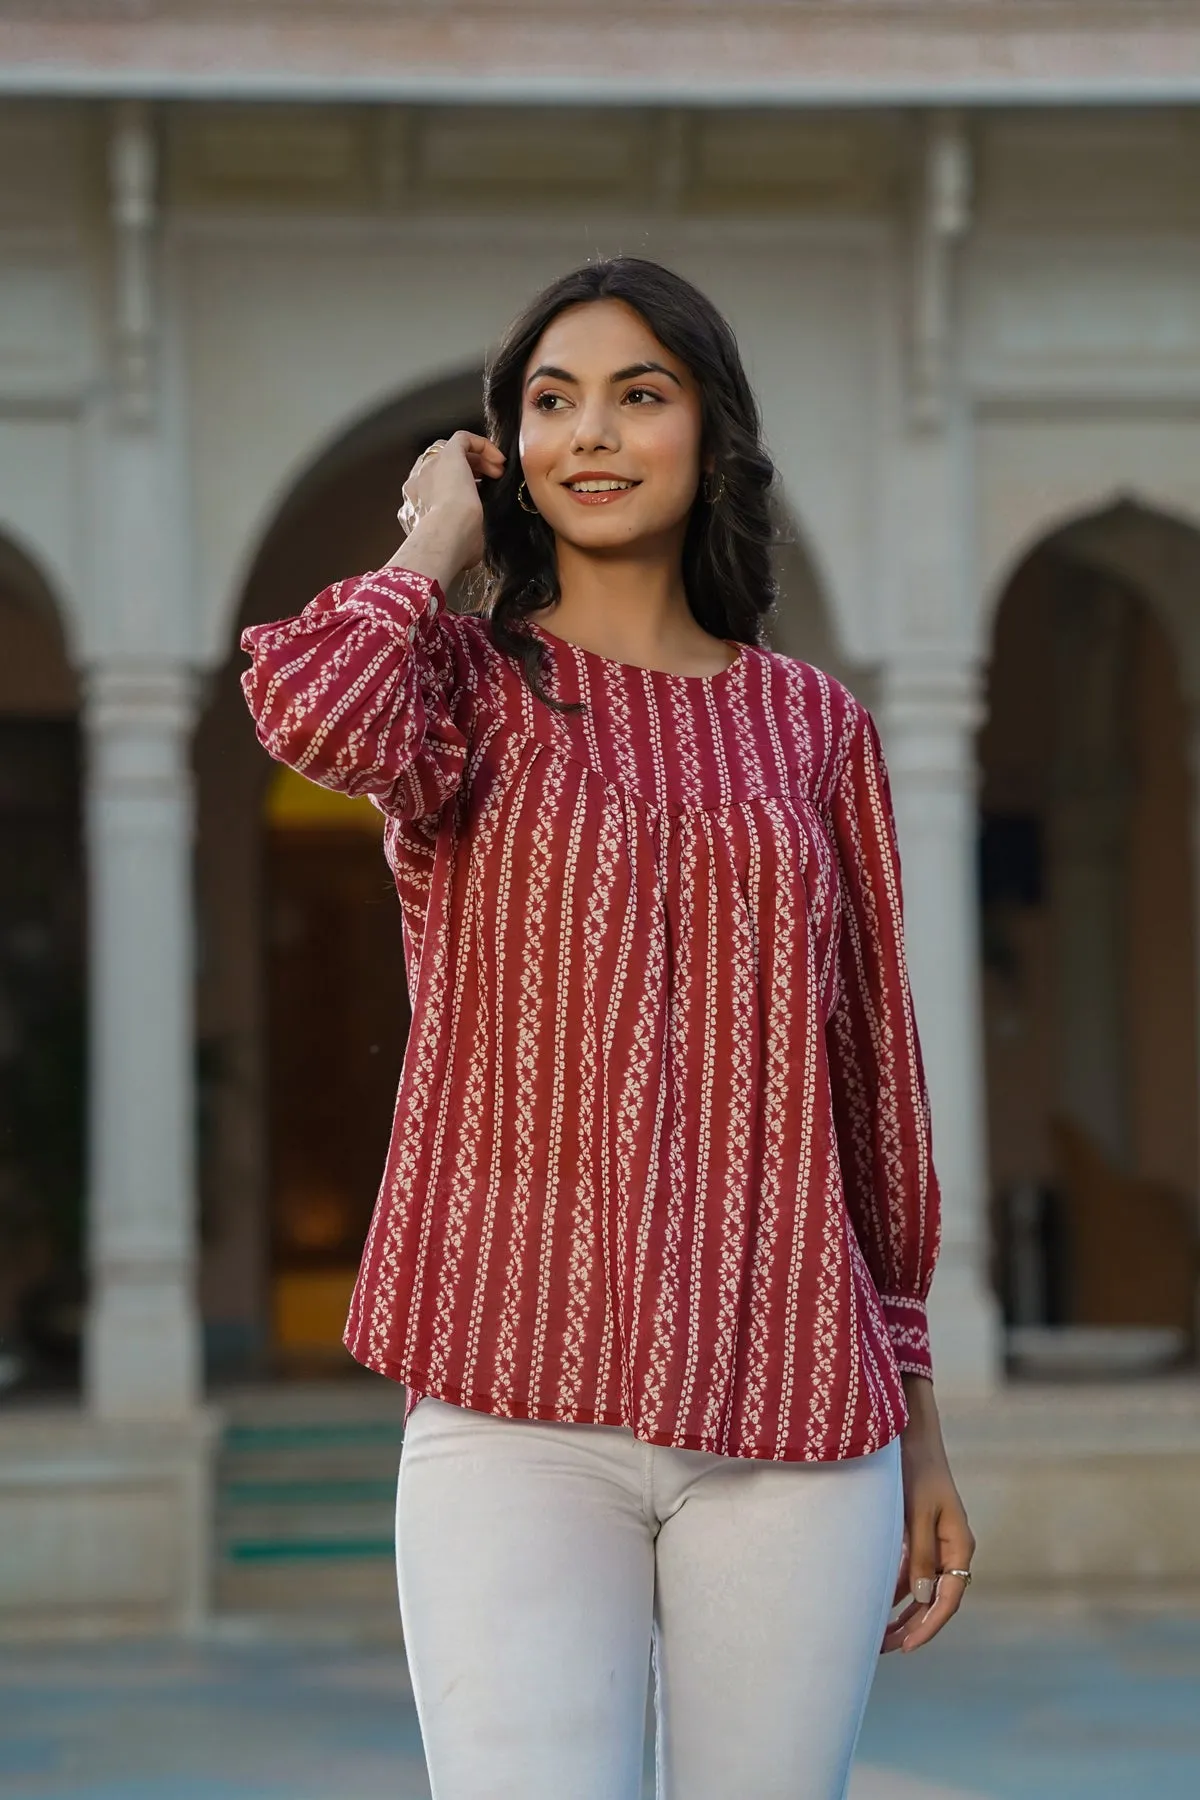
[(539, 1564)]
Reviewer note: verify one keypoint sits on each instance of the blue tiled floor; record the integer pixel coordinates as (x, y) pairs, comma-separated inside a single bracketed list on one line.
[(1010, 1705), (1037, 1706)]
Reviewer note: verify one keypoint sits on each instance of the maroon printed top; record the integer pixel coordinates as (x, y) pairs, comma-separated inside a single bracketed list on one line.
[(661, 1154)]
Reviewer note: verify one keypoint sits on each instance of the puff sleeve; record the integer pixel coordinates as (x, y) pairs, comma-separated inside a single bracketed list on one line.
[(362, 692)]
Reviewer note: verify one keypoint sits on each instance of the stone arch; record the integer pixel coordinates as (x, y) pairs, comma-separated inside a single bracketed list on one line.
[(1155, 544), (806, 623), (1157, 552), (31, 576), (37, 674), (42, 984), (1036, 485), (1089, 897), (368, 434)]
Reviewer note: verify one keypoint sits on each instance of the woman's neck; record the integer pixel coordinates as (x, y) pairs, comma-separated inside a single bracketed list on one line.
[(632, 608)]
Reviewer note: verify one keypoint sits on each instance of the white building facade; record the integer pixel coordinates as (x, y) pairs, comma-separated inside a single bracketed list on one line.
[(247, 262)]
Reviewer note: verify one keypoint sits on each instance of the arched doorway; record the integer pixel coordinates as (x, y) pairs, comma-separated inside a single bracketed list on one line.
[(805, 624), (42, 964), (302, 1005), (1088, 896)]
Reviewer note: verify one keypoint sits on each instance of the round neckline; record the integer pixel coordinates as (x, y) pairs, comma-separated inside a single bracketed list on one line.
[(610, 662)]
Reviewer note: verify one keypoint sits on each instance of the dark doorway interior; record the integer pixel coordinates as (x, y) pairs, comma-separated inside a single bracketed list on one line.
[(1089, 957), (42, 999), (338, 1018)]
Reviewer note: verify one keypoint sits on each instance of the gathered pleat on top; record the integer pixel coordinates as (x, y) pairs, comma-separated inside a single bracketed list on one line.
[(661, 1152)]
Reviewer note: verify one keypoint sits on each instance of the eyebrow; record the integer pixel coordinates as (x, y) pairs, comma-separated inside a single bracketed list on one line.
[(642, 368)]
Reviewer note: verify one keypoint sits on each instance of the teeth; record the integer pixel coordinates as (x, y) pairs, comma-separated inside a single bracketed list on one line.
[(598, 487)]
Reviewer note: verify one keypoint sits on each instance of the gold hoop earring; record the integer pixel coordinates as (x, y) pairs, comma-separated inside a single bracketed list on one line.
[(523, 504), (713, 497)]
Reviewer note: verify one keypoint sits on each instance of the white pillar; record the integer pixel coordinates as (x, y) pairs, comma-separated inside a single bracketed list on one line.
[(929, 713), (142, 1348), (930, 709)]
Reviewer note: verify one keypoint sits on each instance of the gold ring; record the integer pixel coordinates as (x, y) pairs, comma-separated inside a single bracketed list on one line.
[(964, 1575), (430, 450)]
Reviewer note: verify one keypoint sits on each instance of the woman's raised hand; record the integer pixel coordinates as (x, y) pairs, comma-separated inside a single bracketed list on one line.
[(442, 513)]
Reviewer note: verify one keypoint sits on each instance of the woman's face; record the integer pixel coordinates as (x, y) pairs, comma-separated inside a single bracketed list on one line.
[(610, 430)]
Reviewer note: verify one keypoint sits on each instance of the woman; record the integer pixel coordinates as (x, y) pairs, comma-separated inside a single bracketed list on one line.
[(659, 1217)]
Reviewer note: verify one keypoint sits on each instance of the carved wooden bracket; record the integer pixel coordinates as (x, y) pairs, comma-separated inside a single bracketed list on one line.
[(943, 218), (132, 173)]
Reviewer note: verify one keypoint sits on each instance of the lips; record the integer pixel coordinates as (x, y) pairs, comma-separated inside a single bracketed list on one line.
[(599, 490)]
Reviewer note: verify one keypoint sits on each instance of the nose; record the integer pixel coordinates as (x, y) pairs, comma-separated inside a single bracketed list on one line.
[(596, 425)]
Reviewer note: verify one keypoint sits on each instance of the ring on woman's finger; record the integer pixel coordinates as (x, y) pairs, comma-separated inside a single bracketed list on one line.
[(964, 1575), (425, 456)]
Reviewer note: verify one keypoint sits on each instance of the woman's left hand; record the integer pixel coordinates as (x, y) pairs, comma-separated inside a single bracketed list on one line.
[(937, 1537)]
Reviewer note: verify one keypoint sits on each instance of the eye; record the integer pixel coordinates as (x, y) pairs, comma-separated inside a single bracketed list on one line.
[(548, 402), (639, 394)]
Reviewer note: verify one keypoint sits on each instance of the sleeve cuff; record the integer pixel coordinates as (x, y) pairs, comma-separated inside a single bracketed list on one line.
[(416, 597), (908, 1329), (398, 598)]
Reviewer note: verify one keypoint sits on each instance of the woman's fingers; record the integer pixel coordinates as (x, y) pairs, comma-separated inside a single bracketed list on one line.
[(947, 1600), (922, 1550), (441, 493), (483, 456), (897, 1628), (953, 1546), (480, 455), (472, 441), (486, 467)]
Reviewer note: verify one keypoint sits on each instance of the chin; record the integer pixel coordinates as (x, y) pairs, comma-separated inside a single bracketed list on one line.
[(600, 537), (597, 532)]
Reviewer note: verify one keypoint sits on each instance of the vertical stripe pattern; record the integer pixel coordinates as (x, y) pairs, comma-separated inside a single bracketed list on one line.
[(661, 1153)]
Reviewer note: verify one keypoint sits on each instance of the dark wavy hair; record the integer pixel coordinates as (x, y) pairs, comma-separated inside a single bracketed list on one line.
[(727, 568)]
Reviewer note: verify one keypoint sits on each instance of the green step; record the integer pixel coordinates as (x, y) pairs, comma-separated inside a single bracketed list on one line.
[(262, 1550), (306, 1493), (304, 1437), (313, 1462)]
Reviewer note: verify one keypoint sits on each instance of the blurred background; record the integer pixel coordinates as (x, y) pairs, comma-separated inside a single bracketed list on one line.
[(251, 261)]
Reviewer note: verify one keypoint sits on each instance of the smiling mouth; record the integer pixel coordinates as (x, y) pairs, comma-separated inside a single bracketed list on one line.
[(596, 489)]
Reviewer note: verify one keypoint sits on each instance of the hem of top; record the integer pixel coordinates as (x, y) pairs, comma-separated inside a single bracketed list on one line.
[(472, 1401)]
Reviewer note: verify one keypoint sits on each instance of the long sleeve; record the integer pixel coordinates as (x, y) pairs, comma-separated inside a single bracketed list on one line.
[(360, 692), (881, 1106)]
